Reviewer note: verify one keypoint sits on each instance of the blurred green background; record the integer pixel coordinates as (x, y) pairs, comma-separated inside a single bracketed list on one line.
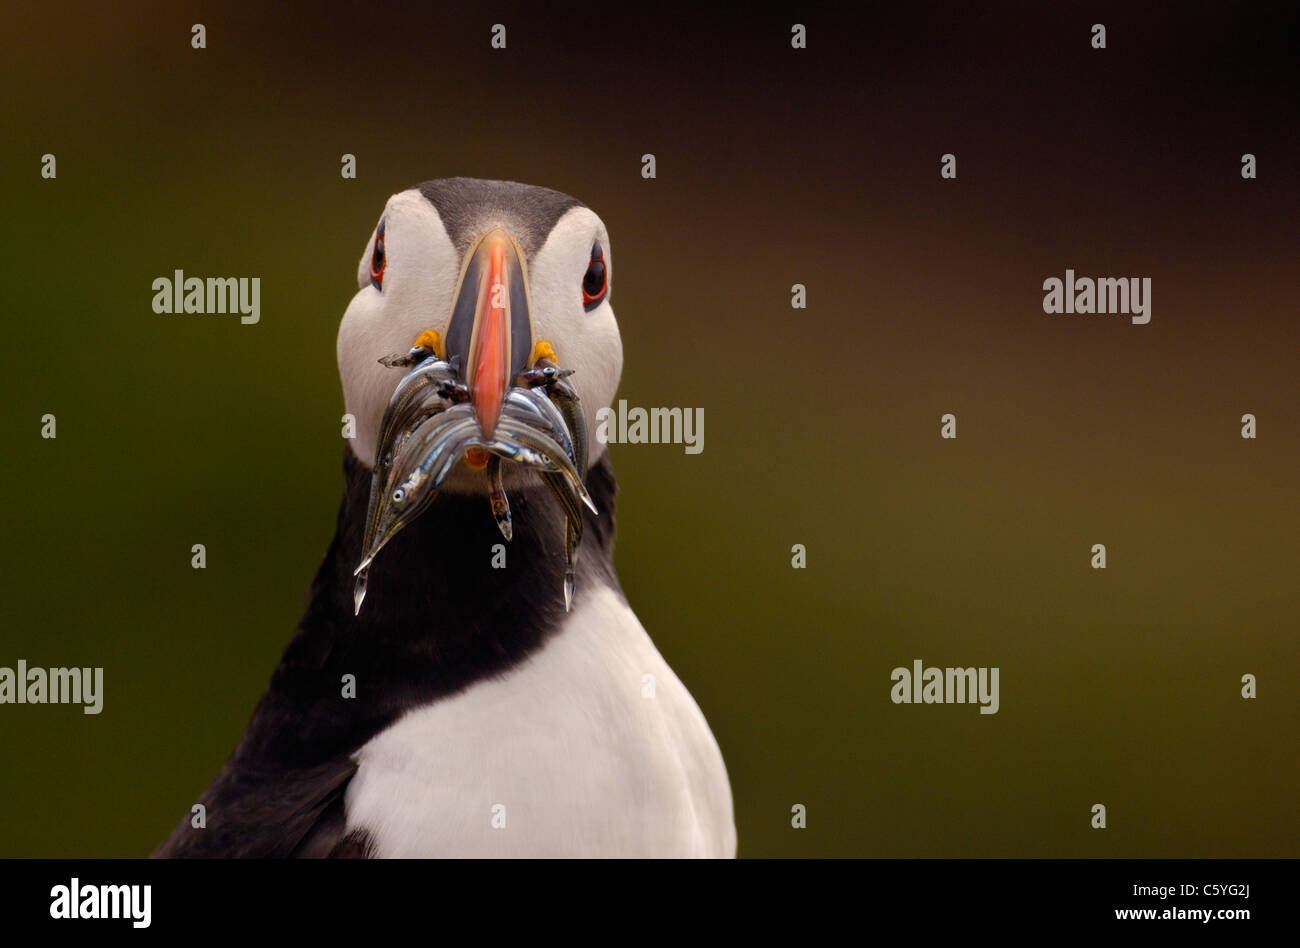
[(775, 167)]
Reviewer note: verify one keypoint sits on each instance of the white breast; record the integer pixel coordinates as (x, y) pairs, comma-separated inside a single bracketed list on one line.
[(565, 755)]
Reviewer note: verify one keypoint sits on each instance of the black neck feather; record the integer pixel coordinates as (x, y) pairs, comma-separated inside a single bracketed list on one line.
[(437, 616)]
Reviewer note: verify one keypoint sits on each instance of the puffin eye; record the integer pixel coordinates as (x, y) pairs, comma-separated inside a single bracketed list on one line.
[(378, 260), (595, 282)]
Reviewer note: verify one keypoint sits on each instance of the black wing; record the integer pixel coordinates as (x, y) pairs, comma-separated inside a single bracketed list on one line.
[(253, 814)]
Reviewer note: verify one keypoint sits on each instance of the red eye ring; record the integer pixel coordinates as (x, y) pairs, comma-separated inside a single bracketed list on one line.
[(378, 259), (595, 282)]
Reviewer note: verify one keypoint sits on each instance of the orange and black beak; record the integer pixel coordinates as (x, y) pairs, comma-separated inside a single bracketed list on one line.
[(491, 327)]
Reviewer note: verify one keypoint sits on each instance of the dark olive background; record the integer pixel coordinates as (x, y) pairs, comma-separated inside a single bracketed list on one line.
[(775, 166)]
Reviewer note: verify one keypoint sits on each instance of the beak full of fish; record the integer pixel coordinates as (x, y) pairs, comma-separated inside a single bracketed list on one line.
[(431, 425)]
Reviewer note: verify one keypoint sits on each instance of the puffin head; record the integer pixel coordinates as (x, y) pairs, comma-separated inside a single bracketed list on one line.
[(440, 256), (478, 347)]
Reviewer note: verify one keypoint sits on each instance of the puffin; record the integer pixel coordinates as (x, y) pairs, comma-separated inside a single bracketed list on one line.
[(468, 678)]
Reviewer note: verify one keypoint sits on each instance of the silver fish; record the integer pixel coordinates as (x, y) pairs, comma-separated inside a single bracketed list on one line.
[(430, 424)]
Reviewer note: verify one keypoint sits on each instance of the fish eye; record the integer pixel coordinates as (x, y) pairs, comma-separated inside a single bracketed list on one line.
[(399, 495), (378, 260), (595, 282)]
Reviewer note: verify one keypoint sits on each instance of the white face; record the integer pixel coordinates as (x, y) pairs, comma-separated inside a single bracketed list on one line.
[(419, 284)]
